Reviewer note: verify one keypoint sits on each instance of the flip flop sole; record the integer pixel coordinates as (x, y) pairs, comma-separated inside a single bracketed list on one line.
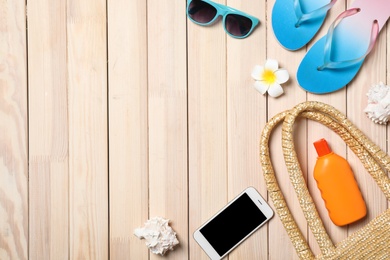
[(350, 41), (284, 20), (325, 81)]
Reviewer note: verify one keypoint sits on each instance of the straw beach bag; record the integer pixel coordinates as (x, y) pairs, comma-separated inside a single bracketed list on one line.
[(370, 242)]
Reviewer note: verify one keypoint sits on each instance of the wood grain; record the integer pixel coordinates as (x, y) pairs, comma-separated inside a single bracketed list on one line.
[(48, 130), (167, 113), (246, 117), (387, 82), (293, 95), (115, 111), (207, 122), (88, 148), (128, 132), (13, 132)]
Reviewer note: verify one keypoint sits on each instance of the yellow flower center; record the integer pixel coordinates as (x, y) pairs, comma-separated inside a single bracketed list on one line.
[(269, 76)]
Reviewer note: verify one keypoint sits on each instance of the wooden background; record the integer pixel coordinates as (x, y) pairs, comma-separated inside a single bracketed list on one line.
[(114, 111)]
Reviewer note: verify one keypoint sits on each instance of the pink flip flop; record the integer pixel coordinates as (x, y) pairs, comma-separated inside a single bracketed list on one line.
[(335, 59)]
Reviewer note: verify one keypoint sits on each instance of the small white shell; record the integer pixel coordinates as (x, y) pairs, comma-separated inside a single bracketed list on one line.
[(159, 236), (378, 108)]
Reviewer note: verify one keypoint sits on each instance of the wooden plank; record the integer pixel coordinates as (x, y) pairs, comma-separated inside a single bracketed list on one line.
[(13, 129), (387, 82), (372, 71), (246, 116), (207, 122), (317, 131), (48, 130), (293, 95), (88, 166), (167, 110), (127, 55)]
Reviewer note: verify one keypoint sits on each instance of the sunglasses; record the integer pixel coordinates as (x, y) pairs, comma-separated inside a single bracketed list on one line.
[(236, 23)]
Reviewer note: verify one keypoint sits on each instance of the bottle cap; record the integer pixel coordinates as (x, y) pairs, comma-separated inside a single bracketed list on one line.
[(322, 147)]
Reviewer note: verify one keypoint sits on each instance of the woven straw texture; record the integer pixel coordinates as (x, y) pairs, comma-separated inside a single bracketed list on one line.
[(370, 242)]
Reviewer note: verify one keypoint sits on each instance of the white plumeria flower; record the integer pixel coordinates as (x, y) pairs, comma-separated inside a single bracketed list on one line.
[(269, 78)]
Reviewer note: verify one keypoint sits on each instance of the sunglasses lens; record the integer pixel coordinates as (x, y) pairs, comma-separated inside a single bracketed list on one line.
[(238, 25), (201, 12)]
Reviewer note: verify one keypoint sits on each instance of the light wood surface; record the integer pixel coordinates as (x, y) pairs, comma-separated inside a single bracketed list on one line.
[(49, 132), (116, 111), (88, 127), (14, 193)]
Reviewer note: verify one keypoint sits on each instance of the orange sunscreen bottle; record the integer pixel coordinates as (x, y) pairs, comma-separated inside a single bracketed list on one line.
[(338, 186)]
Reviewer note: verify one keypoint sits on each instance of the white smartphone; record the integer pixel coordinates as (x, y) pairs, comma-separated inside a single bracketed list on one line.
[(233, 224)]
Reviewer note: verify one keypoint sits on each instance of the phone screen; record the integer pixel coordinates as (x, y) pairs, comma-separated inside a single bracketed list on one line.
[(233, 224)]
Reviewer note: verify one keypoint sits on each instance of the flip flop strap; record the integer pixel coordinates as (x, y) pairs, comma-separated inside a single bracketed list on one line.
[(311, 15), (328, 63)]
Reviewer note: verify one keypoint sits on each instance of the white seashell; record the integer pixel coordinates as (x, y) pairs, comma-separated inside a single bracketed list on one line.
[(378, 108), (159, 236)]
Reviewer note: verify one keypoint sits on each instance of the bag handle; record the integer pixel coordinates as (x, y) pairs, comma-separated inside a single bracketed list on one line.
[(370, 154)]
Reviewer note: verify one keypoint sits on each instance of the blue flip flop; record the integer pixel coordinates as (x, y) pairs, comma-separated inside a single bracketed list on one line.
[(335, 59), (295, 22)]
